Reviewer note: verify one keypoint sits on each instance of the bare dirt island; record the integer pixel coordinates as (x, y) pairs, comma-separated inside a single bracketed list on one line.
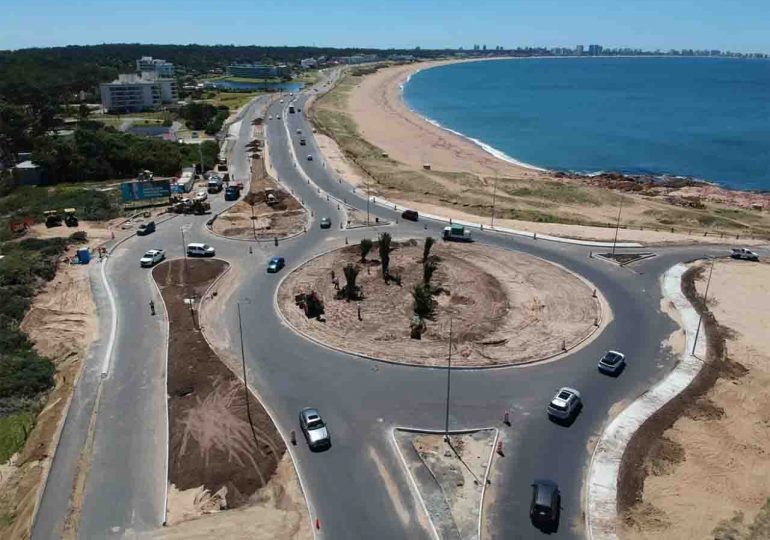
[(506, 307), (267, 211), (450, 476), (708, 474), (374, 135), (225, 451)]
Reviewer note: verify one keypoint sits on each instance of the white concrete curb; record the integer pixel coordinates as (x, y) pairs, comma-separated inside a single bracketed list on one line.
[(413, 483), (602, 480), (286, 439)]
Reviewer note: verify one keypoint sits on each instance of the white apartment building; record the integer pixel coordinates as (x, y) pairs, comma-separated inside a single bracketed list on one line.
[(308, 63), (136, 93), (155, 65)]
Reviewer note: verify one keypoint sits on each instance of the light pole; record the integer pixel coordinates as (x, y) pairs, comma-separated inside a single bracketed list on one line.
[(494, 197), (368, 196), (705, 300), (243, 365), (448, 382), (617, 228)]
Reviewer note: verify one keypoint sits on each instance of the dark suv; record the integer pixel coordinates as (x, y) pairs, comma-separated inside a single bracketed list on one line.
[(545, 506)]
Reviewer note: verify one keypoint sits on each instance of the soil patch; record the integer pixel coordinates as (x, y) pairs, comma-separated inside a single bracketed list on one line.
[(213, 444), (450, 476), (506, 307), (252, 217), (61, 323), (703, 459)]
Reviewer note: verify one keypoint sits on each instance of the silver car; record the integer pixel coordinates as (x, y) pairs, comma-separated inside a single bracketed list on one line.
[(612, 363), (314, 429), (565, 404)]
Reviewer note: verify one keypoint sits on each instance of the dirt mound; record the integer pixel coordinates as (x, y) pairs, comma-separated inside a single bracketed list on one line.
[(212, 442), (506, 307)]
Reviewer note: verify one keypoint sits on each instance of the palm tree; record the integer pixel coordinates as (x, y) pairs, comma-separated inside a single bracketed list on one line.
[(366, 247), (385, 249), (423, 301), (428, 268), (429, 241), (350, 291)]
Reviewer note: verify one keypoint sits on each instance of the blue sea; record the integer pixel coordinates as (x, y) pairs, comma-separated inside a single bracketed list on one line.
[(707, 118)]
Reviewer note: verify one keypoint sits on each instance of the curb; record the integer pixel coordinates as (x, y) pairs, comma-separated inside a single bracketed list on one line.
[(451, 432), (264, 405), (601, 515), (552, 357)]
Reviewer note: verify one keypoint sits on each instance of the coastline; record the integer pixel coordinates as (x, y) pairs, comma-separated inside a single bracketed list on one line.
[(384, 118)]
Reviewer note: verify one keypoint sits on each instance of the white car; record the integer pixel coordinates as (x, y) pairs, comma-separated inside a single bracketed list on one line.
[(314, 429), (201, 195), (152, 257), (745, 254), (277, 116), (270, 117), (565, 404), (196, 249)]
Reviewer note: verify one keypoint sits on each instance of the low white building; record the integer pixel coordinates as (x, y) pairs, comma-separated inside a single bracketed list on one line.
[(308, 63), (155, 65), (136, 93)]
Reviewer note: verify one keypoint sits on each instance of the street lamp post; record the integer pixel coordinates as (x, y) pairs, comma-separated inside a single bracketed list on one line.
[(448, 383), (243, 366), (705, 299), (617, 227), (494, 198)]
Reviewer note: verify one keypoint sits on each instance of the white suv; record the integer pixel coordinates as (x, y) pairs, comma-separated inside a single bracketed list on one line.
[(200, 250), (152, 257), (565, 404), (743, 253)]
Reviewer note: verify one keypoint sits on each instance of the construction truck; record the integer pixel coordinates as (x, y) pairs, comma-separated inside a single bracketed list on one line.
[(52, 218), (69, 217), (457, 233), (188, 206)]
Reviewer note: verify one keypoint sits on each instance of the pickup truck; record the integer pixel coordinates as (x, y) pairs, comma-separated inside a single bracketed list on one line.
[(745, 254), (457, 233)]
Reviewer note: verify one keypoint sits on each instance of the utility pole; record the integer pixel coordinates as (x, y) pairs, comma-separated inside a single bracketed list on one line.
[(245, 384), (448, 383), (200, 157), (368, 196), (705, 300), (617, 227), (494, 197)]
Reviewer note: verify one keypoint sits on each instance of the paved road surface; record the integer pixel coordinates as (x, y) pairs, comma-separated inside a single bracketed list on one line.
[(358, 488)]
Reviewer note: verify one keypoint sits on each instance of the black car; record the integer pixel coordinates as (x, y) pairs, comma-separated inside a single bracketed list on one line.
[(411, 215), (546, 504), (326, 223), (146, 228)]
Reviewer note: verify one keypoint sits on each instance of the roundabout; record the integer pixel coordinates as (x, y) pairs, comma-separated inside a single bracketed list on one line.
[(505, 307)]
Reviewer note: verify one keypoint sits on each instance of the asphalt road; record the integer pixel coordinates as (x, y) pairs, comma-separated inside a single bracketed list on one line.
[(125, 459), (358, 489)]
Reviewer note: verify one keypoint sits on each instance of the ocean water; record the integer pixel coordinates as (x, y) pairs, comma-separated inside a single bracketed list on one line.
[(708, 118)]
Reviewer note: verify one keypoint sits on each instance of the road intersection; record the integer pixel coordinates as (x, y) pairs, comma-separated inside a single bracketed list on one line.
[(359, 488)]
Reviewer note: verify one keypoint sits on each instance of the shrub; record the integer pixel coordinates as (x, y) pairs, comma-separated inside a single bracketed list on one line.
[(424, 304), (366, 247), (429, 241)]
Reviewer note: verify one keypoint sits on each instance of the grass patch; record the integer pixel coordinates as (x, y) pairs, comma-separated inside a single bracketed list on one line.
[(232, 100), (14, 429)]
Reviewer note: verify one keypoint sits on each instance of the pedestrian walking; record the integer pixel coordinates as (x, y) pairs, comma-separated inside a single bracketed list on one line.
[(152, 307)]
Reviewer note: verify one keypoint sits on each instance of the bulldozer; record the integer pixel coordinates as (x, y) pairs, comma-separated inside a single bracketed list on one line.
[(70, 220), (52, 218)]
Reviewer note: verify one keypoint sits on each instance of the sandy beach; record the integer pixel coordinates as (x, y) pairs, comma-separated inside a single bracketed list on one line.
[(367, 131), (384, 119)]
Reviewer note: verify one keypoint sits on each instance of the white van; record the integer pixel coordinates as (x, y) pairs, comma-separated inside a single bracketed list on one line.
[(200, 250)]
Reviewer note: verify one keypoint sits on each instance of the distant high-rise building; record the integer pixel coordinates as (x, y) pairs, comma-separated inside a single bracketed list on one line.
[(579, 50), (595, 50)]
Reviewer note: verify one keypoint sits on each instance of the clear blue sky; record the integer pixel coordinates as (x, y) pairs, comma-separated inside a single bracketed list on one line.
[(738, 25)]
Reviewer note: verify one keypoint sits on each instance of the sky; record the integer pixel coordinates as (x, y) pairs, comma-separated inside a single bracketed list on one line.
[(737, 25)]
